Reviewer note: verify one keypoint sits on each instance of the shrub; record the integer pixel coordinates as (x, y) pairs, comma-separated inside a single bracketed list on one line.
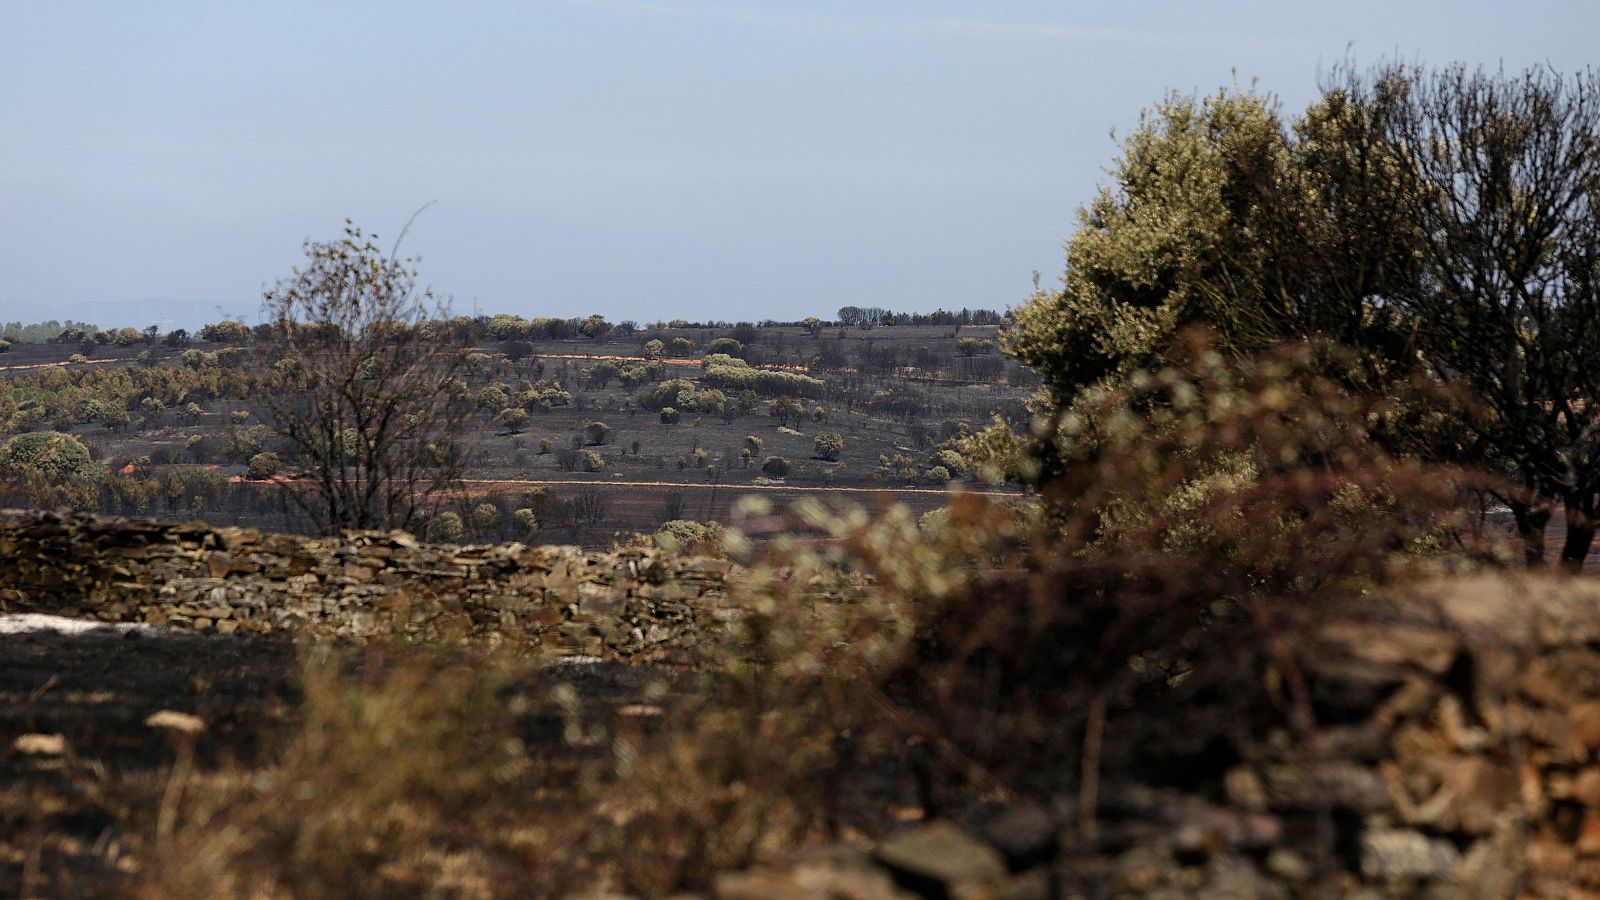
[(973, 346), (263, 465), (669, 416), (828, 445), (446, 527), (596, 433), (54, 456), (591, 461), (681, 534), (654, 349), (225, 332), (725, 345), (524, 522), (775, 466), (485, 519)]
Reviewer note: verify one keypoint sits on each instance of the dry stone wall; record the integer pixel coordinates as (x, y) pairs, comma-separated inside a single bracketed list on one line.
[(1455, 754), (636, 602)]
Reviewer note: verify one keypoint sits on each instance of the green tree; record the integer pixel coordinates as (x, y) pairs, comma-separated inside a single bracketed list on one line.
[(785, 408), (513, 418), (828, 445), (596, 433), (1221, 215)]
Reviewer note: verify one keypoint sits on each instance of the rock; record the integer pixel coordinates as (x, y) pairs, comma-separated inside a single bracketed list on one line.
[(1288, 865), (761, 885), (40, 744), (1033, 884), (172, 720), (1393, 854), (940, 860), (1023, 833)]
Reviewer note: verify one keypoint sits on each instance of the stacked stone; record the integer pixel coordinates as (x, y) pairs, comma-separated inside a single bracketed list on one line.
[(1458, 755), (634, 602)]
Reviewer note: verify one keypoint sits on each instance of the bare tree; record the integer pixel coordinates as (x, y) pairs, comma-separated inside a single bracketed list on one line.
[(1507, 177), (361, 386)]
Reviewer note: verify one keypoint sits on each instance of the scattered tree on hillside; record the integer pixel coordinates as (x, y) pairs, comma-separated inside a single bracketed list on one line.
[(785, 408), (513, 419), (828, 445), (362, 394)]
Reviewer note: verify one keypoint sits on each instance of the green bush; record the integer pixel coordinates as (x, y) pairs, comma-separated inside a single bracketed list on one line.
[(446, 527), (264, 465), (485, 519), (54, 456)]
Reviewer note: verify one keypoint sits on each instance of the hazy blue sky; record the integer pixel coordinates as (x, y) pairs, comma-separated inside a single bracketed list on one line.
[(694, 158)]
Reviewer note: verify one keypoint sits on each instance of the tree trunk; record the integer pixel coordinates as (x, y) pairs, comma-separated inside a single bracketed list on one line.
[(1580, 537), (1531, 523)]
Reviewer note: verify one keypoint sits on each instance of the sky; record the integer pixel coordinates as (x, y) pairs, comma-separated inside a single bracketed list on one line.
[(163, 163)]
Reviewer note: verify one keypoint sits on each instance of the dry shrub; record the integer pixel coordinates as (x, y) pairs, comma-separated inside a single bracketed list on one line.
[(392, 785), (1143, 619), (474, 777)]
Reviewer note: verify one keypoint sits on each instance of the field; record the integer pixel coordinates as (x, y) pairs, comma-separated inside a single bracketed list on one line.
[(894, 394)]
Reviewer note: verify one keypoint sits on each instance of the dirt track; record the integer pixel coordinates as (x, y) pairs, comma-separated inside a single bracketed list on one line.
[(493, 483)]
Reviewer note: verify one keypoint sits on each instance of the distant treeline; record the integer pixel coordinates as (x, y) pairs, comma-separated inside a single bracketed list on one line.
[(43, 332), (501, 327), (876, 315)]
